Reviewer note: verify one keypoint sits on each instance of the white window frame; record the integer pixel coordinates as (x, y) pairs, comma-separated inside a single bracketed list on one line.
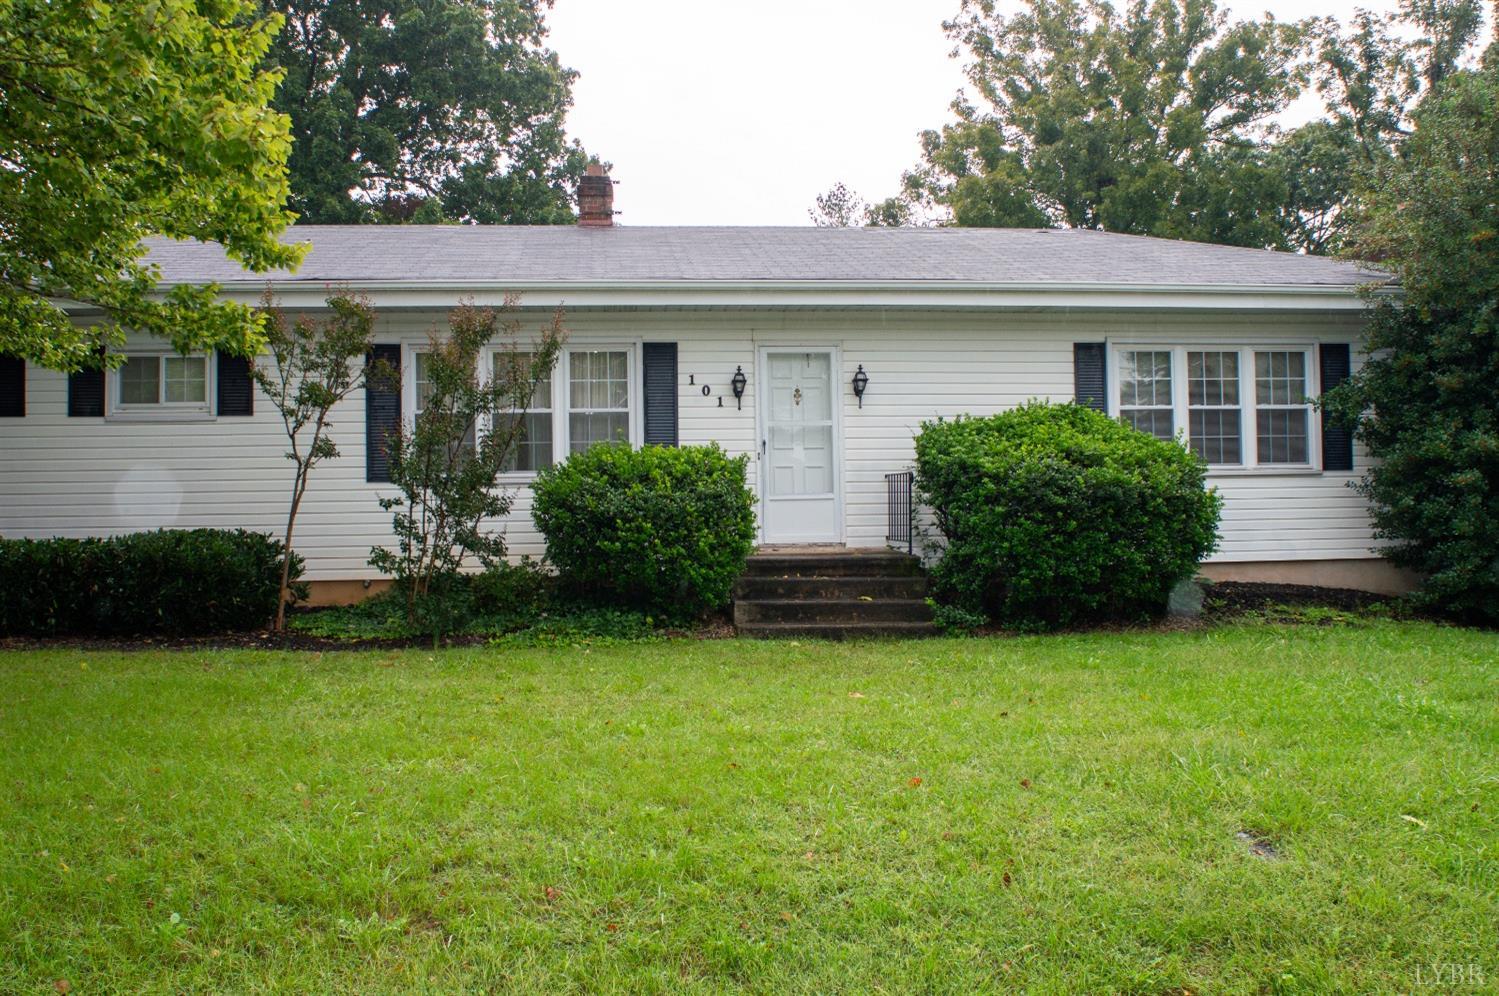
[(527, 349), (162, 411), (408, 386), (561, 438), (1248, 407), (1313, 436), (562, 403), (1237, 409), (1174, 375)]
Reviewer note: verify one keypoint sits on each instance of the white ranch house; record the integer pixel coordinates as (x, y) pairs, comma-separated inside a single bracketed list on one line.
[(1224, 346)]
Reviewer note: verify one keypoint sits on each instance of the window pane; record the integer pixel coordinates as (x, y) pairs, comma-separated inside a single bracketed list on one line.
[(1280, 378), (577, 389), (533, 449), (1145, 377), (186, 379), (541, 400), (580, 377), (1157, 422), (140, 381), (423, 383), (599, 381), (1213, 378), (537, 454), (1215, 435), (1282, 436), (604, 427)]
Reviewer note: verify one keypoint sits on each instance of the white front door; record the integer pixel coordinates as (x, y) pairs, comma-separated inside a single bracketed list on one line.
[(799, 447)]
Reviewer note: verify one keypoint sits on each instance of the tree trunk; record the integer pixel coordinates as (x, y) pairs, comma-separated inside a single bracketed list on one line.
[(299, 488)]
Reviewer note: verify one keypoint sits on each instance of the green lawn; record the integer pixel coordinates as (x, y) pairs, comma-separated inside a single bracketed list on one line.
[(1050, 813)]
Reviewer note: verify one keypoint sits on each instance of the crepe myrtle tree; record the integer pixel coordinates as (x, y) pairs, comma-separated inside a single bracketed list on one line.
[(446, 462), (318, 362)]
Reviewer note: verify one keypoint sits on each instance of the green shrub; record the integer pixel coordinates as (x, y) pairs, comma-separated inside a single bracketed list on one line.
[(956, 620), (174, 582), (516, 604), (661, 530), (503, 598), (522, 590), (1056, 515), (382, 616)]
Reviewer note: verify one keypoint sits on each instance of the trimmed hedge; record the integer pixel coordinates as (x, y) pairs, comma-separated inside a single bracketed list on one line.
[(1057, 515), (174, 582), (663, 530)]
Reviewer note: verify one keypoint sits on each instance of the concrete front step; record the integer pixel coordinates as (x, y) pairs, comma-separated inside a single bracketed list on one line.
[(829, 611), (832, 594), (751, 588), (851, 563), (838, 631)]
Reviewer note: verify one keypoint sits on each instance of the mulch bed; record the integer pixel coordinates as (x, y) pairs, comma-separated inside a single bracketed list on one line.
[(1228, 598), (290, 640), (1224, 600), (250, 640)]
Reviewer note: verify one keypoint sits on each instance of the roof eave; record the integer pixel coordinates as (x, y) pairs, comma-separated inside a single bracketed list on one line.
[(812, 294)]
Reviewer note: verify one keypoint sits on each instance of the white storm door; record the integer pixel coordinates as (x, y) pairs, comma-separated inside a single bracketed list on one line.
[(799, 447)]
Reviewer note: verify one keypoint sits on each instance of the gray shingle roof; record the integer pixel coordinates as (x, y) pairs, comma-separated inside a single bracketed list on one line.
[(501, 255)]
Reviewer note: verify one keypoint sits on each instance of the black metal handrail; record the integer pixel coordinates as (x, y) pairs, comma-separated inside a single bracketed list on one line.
[(899, 511)]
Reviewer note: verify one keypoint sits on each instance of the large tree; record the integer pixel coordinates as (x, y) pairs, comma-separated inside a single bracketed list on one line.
[(119, 121), (426, 110), (1427, 403), (841, 207), (1162, 118), (1370, 73), (1148, 120)]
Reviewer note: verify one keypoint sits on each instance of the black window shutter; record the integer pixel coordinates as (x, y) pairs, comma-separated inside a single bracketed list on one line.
[(86, 393), (382, 412), (1337, 439), (660, 397), (236, 386), (1088, 381), (12, 387)]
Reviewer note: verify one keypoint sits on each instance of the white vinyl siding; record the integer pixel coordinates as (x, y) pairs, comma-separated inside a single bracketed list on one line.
[(81, 477)]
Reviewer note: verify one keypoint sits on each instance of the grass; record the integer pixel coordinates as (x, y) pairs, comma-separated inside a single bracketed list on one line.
[(1054, 814)]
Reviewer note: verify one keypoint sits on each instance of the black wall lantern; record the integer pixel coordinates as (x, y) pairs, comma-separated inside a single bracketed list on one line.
[(738, 384), (861, 381)]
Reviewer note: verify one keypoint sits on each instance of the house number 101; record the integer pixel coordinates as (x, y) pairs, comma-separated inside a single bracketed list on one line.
[(707, 389)]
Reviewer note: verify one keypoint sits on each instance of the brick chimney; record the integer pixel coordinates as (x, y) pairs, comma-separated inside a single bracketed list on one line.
[(596, 198)]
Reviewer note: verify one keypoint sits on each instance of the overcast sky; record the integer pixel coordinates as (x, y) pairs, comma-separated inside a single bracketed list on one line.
[(742, 113)]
